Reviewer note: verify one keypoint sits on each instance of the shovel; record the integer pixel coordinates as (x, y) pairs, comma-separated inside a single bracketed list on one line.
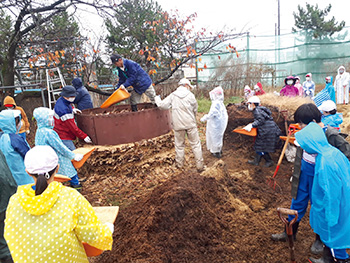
[(289, 230), (272, 180)]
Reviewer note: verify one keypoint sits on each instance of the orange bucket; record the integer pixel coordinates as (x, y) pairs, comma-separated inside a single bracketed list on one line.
[(84, 151), (117, 96), (91, 251), (253, 132)]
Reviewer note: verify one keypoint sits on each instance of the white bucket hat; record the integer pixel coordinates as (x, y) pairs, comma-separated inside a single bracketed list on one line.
[(40, 159)]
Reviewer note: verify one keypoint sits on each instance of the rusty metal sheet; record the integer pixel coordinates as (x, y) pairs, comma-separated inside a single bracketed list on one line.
[(108, 128)]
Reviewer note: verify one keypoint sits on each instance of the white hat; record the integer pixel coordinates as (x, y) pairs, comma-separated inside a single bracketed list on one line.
[(254, 99), (40, 160), (327, 105), (328, 78), (184, 82)]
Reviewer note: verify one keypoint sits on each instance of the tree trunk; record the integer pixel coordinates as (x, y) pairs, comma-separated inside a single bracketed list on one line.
[(8, 69)]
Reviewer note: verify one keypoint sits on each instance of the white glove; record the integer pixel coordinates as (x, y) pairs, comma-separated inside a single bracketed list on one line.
[(248, 128), (204, 118), (307, 92), (87, 139), (110, 226), (122, 87), (28, 131), (78, 157), (75, 111)]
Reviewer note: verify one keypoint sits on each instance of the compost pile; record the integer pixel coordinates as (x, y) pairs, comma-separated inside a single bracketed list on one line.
[(225, 214)]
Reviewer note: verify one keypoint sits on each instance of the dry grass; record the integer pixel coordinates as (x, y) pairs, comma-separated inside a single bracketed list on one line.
[(283, 103)]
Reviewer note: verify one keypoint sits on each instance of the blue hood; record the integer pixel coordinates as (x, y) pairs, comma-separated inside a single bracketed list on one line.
[(77, 83), (41, 115), (312, 139), (7, 122)]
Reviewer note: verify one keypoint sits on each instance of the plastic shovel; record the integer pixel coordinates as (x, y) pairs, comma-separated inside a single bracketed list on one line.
[(289, 229)]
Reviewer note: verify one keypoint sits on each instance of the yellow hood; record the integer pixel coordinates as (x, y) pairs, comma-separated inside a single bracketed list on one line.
[(38, 204), (9, 100)]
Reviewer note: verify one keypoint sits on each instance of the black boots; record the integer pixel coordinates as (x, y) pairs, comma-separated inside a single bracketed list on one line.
[(317, 246), (326, 258), (283, 237), (256, 160), (217, 154), (268, 160), (133, 107)]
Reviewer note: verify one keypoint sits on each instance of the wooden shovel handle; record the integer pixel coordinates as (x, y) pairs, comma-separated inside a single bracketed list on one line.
[(284, 149)]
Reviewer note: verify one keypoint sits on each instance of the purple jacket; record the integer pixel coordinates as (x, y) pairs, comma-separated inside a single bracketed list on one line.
[(289, 91)]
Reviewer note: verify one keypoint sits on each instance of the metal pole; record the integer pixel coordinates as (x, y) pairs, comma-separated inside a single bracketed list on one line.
[(279, 19)]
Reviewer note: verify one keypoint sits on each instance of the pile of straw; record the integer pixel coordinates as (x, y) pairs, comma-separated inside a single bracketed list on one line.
[(283, 103)]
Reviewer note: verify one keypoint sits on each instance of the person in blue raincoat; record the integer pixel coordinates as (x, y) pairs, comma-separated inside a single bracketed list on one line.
[(132, 75), (328, 93), (83, 98), (216, 122), (309, 86), (45, 135), (330, 209), (14, 146), (330, 116)]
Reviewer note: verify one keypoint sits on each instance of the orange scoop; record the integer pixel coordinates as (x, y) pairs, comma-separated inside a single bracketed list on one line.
[(291, 139), (84, 151), (61, 178), (253, 132), (117, 96)]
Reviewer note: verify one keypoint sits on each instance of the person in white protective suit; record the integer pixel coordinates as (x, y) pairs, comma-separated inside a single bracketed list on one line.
[(183, 105), (341, 85), (216, 122)]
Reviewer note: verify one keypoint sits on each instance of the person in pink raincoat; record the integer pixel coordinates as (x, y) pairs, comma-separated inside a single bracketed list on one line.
[(299, 86), (289, 89)]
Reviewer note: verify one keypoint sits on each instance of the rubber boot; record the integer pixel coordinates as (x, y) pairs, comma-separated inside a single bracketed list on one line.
[(133, 107), (326, 258), (283, 237), (256, 160), (268, 160), (317, 246), (217, 155)]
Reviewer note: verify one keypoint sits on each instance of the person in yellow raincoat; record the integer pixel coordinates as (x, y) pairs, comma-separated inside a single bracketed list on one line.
[(47, 222)]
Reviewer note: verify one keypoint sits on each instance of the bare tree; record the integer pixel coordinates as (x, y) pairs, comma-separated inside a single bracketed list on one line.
[(30, 14)]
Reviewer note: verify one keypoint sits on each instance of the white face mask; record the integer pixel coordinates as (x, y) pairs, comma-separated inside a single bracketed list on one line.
[(307, 78), (250, 107), (341, 71), (289, 82), (71, 99)]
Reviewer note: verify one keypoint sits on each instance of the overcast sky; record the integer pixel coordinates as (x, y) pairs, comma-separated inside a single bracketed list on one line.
[(257, 16)]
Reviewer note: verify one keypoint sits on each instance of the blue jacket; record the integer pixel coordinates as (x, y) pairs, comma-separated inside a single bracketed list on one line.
[(14, 147), (45, 135), (328, 93), (330, 209), (333, 120), (83, 98), (133, 76)]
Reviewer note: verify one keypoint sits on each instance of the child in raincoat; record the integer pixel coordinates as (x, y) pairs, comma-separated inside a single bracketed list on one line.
[(248, 92), (309, 86), (299, 86), (45, 135), (216, 119), (258, 89), (330, 209), (47, 222), (330, 116), (268, 132), (304, 170), (14, 146), (8, 187), (10, 104), (328, 93), (289, 90)]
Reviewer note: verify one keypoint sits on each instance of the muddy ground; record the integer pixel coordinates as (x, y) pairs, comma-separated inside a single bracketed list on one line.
[(225, 214)]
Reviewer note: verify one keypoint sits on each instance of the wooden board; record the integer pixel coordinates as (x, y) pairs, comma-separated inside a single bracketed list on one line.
[(84, 151), (107, 214)]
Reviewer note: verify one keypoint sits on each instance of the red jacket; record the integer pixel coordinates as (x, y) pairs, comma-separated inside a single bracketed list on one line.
[(65, 124)]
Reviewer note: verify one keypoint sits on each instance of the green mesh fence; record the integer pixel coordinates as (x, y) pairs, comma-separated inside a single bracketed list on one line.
[(270, 59)]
